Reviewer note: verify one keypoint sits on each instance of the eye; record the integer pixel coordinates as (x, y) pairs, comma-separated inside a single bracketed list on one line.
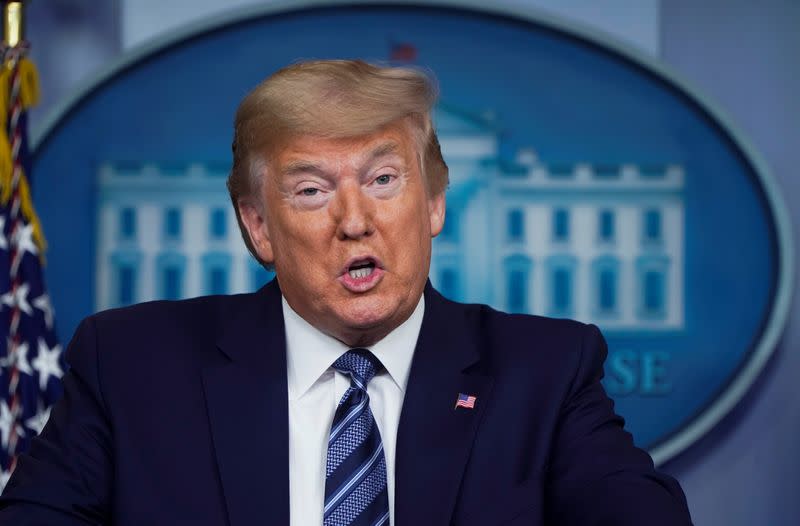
[(383, 179), (309, 191)]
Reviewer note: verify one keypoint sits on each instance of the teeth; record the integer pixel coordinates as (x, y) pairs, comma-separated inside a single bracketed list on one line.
[(360, 272)]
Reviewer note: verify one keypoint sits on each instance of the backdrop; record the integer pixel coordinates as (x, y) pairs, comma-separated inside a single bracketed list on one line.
[(598, 185)]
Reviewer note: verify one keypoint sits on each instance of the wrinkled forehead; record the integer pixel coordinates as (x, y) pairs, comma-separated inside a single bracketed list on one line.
[(309, 153)]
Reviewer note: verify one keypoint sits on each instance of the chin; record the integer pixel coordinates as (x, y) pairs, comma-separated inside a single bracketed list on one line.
[(367, 313)]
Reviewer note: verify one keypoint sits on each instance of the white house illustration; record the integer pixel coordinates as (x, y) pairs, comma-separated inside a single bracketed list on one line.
[(167, 231), (602, 244)]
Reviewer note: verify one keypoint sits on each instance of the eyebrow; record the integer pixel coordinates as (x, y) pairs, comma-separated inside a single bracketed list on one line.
[(302, 166), (387, 148), (298, 167)]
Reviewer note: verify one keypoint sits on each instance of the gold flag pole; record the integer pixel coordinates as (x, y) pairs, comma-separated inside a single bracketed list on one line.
[(13, 23)]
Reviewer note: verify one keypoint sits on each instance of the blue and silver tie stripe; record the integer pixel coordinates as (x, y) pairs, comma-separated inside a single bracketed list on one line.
[(355, 486)]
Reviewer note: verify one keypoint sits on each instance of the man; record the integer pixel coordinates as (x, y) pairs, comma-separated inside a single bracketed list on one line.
[(348, 391)]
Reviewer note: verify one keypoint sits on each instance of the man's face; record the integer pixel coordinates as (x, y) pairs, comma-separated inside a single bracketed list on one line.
[(348, 224)]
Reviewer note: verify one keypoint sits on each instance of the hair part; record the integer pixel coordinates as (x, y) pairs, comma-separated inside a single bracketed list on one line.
[(330, 99)]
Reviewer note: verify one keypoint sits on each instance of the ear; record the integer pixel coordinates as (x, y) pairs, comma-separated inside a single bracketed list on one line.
[(436, 208), (255, 222)]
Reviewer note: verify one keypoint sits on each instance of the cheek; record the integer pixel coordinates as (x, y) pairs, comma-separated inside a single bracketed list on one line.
[(412, 231), (301, 240)]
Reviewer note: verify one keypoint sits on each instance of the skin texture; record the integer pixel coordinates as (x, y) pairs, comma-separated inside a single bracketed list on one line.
[(326, 201)]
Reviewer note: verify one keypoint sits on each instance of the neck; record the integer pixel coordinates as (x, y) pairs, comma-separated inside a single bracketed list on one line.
[(364, 338), (358, 336)]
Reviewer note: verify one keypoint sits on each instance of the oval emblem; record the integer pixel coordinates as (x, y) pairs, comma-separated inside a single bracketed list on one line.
[(586, 182)]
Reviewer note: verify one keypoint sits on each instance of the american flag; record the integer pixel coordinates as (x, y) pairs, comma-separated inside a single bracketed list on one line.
[(402, 52), (31, 361), (467, 401)]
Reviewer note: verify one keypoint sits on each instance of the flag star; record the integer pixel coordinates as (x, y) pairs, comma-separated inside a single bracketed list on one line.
[(23, 239), (36, 422), (3, 240), (46, 362), (43, 304), (18, 297)]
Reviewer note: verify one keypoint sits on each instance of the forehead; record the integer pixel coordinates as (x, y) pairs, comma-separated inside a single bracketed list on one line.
[(393, 140)]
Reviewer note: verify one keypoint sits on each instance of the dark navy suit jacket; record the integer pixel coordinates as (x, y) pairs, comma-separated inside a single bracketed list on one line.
[(176, 413)]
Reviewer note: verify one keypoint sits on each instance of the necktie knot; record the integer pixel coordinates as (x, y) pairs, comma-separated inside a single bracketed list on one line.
[(360, 364)]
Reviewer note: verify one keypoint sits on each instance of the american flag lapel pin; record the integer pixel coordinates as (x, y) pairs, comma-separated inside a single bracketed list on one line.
[(466, 401)]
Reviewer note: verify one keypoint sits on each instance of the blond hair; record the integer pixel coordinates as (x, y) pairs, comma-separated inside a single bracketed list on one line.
[(331, 99)]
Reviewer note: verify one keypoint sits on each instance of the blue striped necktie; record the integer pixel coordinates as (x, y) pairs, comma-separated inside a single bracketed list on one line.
[(355, 472)]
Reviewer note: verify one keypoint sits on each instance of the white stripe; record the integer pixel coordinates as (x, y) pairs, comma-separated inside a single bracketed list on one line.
[(350, 416), (355, 478), (357, 382), (382, 520)]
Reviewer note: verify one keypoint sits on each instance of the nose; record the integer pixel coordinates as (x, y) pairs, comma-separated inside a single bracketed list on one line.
[(353, 212)]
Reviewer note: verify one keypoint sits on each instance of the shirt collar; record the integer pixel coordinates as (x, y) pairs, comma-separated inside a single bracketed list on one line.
[(310, 352)]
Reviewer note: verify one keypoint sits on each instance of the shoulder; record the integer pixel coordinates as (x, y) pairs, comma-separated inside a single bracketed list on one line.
[(148, 329), (525, 342), (529, 328), (202, 314), (522, 332)]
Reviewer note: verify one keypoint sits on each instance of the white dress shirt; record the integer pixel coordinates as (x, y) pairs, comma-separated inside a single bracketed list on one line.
[(314, 393)]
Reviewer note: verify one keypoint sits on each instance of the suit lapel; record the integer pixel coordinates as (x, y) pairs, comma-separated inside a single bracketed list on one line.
[(434, 438), (247, 401)]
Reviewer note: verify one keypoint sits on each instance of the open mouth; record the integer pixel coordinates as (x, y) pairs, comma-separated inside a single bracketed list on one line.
[(361, 269), (361, 273)]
